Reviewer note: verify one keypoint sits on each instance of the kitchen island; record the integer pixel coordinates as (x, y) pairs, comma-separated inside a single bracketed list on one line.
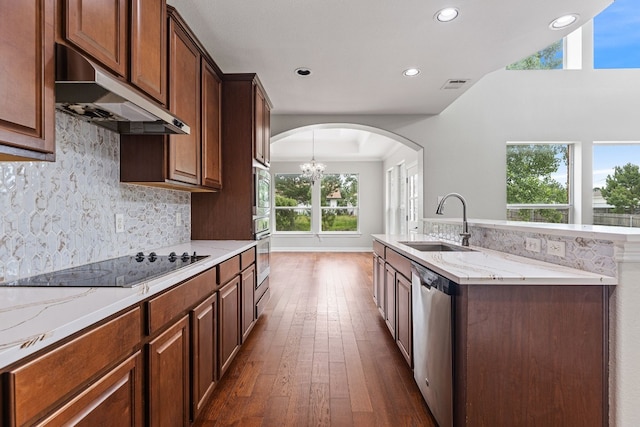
[(96, 353), (530, 339)]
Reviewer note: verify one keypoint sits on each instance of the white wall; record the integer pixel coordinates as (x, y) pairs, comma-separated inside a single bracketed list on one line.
[(464, 146), (371, 210)]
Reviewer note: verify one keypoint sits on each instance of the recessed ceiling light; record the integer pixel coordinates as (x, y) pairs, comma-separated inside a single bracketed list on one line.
[(410, 72), (563, 21), (303, 71), (447, 14)]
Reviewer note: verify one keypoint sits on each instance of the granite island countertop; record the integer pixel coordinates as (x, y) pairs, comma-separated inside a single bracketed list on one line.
[(485, 266), (34, 318)]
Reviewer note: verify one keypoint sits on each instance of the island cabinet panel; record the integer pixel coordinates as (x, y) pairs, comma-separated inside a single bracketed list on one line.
[(404, 325), (114, 400), (70, 367), (229, 321), (390, 299), (204, 355), (168, 370), (100, 29), (149, 47), (27, 109), (531, 356), (184, 101)]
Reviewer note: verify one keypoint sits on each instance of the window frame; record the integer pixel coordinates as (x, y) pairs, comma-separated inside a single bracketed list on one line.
[(570, 206), (277, 208), (322, 208)]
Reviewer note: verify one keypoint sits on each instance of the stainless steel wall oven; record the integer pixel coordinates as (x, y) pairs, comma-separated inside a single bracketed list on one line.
[(262, 221)]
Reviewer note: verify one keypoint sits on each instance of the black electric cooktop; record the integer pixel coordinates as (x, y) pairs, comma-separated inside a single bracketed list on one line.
[(123, 272)]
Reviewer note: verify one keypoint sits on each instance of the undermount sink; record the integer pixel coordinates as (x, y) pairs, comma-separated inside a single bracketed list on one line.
[(436, 247)]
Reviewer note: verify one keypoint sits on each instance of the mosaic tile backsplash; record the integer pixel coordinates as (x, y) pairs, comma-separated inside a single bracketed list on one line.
[(595, 256), (61, 214)]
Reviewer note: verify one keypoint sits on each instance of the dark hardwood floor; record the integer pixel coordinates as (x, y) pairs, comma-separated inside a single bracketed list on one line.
[(320, 355)]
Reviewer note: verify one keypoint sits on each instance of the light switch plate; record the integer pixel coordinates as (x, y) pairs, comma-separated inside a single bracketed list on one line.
[(555, 248), (532, 245)]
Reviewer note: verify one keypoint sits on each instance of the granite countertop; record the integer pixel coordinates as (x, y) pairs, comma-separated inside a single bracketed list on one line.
[(484, 266), (33, 318)]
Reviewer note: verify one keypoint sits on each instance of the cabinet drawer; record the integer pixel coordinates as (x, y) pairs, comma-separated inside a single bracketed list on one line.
[(378, 248), (247, 258), (164, 308), (45, 381), (400, 263), (262, 303), (228, 269)]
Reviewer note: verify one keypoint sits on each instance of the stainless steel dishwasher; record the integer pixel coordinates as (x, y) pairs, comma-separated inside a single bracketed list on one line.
[(432, 354)]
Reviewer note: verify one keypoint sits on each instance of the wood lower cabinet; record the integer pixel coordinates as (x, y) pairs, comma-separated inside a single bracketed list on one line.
[(114, 400), (204, 353), (404, 324), (247, 293), (100, 29), (27, 104), (390, 299), (229, 321), (168, 371), (378, 283)]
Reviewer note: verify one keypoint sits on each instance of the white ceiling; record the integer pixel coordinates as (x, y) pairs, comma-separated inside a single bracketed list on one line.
[(357, 49)]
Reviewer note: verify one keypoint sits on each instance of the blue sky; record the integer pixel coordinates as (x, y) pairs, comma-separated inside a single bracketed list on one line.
[(617, 36), (606, 156)]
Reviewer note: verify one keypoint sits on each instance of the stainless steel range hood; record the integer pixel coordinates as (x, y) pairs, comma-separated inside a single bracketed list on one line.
[(84, 90)]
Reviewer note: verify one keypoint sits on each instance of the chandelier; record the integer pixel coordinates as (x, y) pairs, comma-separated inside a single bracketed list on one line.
[(312, 170)]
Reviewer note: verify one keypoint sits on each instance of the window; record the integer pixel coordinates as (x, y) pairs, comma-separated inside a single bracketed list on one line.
[(549, 58), (616, 41), (539, 182), (292, 203), (616, 184), (297, 212), (339, 202)]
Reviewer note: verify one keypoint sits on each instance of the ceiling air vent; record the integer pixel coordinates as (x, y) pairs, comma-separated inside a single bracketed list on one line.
[(454, 83)]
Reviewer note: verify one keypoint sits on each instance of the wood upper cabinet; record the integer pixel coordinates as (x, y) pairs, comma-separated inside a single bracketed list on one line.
[(262, 129), (211, 129), (168, 370), (27, 102), (149, 47), (204, 352), (184, 101), (182, 162), (100, 29)]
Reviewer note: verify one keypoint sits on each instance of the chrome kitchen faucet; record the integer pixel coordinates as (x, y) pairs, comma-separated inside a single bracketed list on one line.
[(465, 227)]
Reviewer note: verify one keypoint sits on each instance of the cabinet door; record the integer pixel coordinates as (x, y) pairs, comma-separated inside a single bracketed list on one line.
[(211, 130), (149, 47), (184, 102), (390, 299), (27, 116), (381, 287), (114, 400), (259, 125), (248, 300), (204, 352), (168, 372), (266, 132), (375, 279), (100, 29), (404, 329), (229, 323)]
